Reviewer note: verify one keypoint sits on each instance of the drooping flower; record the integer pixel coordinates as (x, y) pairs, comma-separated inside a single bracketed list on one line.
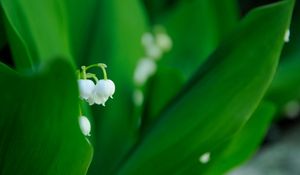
[(145, 68), (86, 88), (164, 41), (104, 89)]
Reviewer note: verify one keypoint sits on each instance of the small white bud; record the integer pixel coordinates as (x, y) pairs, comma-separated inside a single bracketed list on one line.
[(86, 88), (85, 125), (287, 36), (204, 158), (145, 68), (153, 51), (147, 39), (164, 41)]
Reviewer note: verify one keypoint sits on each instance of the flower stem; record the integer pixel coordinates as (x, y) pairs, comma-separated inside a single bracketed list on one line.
[(83, 72), (89, 75), (103, 66)]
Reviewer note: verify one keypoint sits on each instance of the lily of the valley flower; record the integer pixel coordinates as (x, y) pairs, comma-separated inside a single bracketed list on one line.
[(86, 88), (95, 94), (103, 90), (146, 67)]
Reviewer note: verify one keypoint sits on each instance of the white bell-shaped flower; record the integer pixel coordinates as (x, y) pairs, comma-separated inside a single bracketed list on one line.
[(103, 90), (153, 51), (91, 100), (85, 125), (145, 68), (164, 41), (86, 88), (147, 39)]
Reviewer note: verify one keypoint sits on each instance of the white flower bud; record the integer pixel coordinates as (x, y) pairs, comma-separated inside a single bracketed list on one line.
[(153, 51), (145, 68), (86, 88), (205, 158), (85, 125), (147, 39), (287, 36), (163, 41)]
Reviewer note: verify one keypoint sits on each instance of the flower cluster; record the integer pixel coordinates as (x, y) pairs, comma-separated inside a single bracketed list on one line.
[(155, 43), (95, 93)]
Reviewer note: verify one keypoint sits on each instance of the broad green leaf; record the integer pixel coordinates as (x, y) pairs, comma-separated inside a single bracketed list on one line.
[(36, 30), (286, 84), (2, 31), (39, 126), (218, 101), (82, 22), (158, 8), (162, 88), (242, 146), (196, 28), (117, 43)]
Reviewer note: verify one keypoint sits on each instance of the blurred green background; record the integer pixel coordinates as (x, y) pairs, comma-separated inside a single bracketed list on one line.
[(227, 89)]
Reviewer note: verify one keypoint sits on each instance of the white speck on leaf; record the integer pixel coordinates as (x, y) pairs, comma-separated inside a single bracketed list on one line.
[(204, 158), (287, 36)]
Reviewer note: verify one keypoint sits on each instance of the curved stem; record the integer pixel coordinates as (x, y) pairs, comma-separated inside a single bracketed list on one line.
[(90, 75), (103, 66), (83, 72)]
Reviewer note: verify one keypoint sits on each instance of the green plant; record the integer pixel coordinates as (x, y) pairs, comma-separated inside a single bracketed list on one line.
[(202, 109)]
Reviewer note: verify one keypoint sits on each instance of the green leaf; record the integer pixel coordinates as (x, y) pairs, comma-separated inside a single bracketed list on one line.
[(2, 31), (39, 126), (286, 84), (82, 18), (196, 28), (117, 42), (218, 101), (246, 141), (162, 87), (36, 31)]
